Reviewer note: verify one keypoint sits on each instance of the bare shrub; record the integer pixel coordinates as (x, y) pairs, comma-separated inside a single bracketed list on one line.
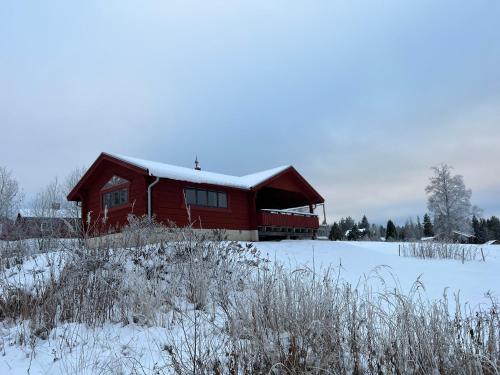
[(140, 232), (440, 250), (225, 311), (301, 322), (134, 277)]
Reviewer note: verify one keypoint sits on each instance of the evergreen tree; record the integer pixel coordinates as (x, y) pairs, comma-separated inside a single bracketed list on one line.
[(420, 229), (354, 234), (374, 233), (335, 233), (428, 227), (364, 228), (401, 235), (494, 228), (364, 224), (391, 233), (486, 229), (409, 231), (346, 225), (381, 232), (478, 226)]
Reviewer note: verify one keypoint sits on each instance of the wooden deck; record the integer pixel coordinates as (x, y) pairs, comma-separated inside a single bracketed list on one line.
[(280, 224)]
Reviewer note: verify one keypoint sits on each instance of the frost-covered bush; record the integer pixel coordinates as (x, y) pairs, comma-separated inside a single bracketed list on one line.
[(440, 250), (224, 310), (302, 322), (136, 277)]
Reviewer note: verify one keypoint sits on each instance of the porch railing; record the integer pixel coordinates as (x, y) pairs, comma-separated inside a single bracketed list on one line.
[(288, 219)]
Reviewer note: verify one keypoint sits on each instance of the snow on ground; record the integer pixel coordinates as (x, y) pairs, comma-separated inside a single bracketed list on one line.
[(472, 279), (34, 269), (77, 349), (115, 348)]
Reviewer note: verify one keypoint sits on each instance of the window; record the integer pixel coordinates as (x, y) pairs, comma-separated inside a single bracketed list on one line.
[(45, 226), (222, 200), (212, 199), (205, 198), (190, 196), (201, 197), (115, 198), (114, 181)]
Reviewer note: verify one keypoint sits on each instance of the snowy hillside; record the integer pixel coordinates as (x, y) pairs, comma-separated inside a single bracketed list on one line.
[(135, 338)]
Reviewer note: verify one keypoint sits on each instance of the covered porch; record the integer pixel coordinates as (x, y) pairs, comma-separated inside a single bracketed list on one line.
[(285, 209)]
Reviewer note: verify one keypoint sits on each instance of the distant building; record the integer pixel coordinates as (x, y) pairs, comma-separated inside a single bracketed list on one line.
[(324, 232), (427, 239), (30, 224), (462, 237), (5, 228), (456, 236)]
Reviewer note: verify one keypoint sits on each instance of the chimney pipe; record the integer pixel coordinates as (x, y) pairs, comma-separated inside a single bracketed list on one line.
[(197, 164)]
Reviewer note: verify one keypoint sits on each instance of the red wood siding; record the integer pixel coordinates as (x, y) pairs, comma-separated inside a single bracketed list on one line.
[(270, 219), (116, 216), (168, 204), (288, 181)]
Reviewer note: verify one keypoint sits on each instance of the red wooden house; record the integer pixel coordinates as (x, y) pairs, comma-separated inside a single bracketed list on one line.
[(251, 207)]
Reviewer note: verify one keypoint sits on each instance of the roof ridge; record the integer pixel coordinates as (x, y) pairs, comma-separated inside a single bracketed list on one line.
[(176, 172)]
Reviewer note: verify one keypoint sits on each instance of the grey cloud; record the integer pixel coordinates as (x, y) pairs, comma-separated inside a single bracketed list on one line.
[(363, 98)]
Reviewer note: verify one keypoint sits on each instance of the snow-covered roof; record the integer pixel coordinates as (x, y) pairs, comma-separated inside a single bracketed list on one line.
[(427, 238), (60, 214), (467, 235), (360, 230), (174, 172)]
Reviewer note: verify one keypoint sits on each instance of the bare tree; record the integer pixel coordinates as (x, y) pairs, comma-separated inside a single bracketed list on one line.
[(48, 201), (47, 206), (70, 182), (52, 198), (10, 194), (449, 201)]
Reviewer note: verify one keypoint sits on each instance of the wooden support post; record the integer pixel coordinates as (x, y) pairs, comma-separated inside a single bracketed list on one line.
[(482, 254), (463, 255), (399, 249)]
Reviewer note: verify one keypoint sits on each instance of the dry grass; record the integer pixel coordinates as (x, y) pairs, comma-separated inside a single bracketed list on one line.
[(300, 322), (440, 250), (239, 315)]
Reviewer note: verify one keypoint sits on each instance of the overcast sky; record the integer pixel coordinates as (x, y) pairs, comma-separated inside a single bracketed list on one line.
[(361, 97)]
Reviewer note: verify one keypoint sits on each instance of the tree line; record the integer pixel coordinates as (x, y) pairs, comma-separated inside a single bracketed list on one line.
[(346, 229), (486, 229), (450, 213), (48, 199)]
